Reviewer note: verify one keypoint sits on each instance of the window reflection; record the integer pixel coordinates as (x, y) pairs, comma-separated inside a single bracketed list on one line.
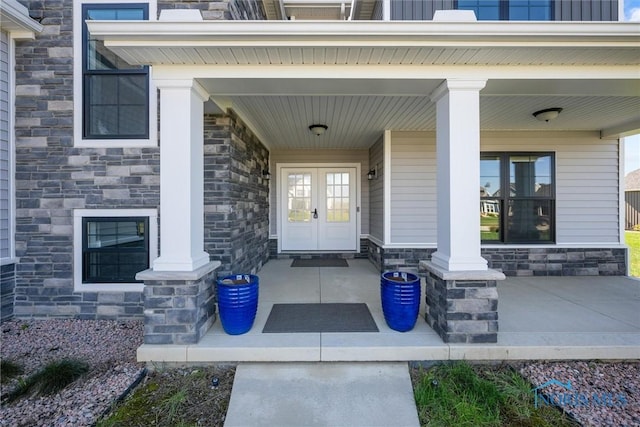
[(524, 213)]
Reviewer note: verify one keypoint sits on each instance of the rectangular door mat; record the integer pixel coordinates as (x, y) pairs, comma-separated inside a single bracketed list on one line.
[(320, 262), (330, 317)]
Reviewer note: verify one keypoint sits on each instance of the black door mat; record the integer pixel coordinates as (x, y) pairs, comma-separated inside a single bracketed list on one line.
[(320, 262), (331, 317)]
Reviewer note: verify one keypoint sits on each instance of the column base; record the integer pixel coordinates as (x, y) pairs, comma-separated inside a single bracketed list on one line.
[(447, 263), (462, 306), (181, 265), (179, 306)]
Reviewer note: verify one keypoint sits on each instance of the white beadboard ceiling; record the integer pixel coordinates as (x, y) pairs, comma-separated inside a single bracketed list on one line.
[(466, 56), (356, 122)]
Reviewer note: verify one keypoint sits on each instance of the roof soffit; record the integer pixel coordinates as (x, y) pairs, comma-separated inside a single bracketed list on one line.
[(15, 19), (370, 42)]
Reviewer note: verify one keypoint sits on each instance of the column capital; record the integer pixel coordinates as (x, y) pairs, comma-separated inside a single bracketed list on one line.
[(450, 85), (183, 84)]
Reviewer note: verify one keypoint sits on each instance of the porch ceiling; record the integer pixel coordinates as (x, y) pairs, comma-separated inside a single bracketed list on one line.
[(358, 111), (361, 78)]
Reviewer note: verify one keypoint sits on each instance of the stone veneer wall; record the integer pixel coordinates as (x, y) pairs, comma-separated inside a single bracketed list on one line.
[(364, 250), (397, 258), (7, 291), (53, 177), (219, 10), (236, 197), (517, 261), (557, 261)]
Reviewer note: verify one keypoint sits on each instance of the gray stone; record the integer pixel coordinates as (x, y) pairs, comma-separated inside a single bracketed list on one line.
[(158, 339)]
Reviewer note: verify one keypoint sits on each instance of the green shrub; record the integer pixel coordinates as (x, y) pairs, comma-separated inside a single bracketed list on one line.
[(54, 377), (9, 370)]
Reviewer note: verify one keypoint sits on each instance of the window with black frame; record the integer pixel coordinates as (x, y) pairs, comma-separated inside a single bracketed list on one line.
[(517, 198), (115, 93), (511, 10), (114, 249)]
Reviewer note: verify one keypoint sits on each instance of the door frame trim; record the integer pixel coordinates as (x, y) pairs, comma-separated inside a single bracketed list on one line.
[(358, 168)]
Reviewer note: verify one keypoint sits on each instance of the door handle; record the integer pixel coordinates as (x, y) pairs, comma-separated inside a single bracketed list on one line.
[(315, 213)]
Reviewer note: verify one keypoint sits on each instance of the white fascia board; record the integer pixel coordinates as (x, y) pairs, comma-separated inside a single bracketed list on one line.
[(366, 33), (398, 72), (15, 19)]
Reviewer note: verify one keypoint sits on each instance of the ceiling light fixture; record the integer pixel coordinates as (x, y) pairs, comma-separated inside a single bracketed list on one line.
[(318, 129), (547, 114)]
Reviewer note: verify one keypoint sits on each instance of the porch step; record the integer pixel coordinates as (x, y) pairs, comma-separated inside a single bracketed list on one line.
[(422, 343)]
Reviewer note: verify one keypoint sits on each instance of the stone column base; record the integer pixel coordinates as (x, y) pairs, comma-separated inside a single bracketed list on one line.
[(462, 306), (179, 306)]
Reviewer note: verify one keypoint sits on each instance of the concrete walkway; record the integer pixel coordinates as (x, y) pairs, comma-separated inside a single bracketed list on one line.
[(322, 394)]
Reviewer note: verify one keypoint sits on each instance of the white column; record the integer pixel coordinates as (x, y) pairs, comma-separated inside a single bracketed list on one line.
[(458, 175), (386, 10), (181, 176)]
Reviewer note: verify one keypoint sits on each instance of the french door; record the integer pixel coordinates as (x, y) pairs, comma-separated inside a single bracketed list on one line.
[(318, 209)]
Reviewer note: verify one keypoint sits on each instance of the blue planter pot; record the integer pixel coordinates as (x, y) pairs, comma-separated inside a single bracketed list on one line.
[(400, 296), (238, 302)]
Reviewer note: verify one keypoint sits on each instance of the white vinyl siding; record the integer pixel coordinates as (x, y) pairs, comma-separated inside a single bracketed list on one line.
[(5, 150), (321, 156), (587, 196), (413, 189), (376, 191)]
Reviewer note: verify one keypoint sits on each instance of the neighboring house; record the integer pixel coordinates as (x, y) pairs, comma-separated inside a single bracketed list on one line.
[(421, 98), (632, 199)]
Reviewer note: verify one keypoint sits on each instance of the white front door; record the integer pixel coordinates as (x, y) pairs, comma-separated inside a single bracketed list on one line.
[(318, 209)]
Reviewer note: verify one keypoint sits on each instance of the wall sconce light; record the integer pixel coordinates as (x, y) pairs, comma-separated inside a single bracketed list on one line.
[(547, 114), (266, 175), (372, 174), (318, 129)]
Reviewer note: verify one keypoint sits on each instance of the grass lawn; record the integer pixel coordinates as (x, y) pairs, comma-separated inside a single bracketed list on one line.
[(633, 240), (459, 394), (178, 397), (489, 227)]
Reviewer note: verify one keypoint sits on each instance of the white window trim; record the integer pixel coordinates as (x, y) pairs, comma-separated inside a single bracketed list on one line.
[(78, 140), (78, 215)]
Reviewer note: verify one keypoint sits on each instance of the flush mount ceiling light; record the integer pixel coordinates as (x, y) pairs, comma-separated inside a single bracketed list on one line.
[(547, 114), (318, 129)]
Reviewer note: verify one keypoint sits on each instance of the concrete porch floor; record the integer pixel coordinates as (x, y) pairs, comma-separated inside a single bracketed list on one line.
[(539, 318)]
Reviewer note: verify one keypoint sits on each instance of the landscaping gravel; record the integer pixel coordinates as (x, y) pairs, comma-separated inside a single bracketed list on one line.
[(601, 394), (594, 393), (109, 347)]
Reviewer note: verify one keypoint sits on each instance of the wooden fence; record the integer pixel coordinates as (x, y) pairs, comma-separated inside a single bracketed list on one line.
[(632, 202)]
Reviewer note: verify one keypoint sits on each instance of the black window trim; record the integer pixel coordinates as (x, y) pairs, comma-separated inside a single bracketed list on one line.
[(86, 250), (505, 187), (86, 74)]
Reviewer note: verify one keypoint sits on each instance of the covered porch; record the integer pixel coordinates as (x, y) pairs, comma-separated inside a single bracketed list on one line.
[(540, 318), (407, 109)]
